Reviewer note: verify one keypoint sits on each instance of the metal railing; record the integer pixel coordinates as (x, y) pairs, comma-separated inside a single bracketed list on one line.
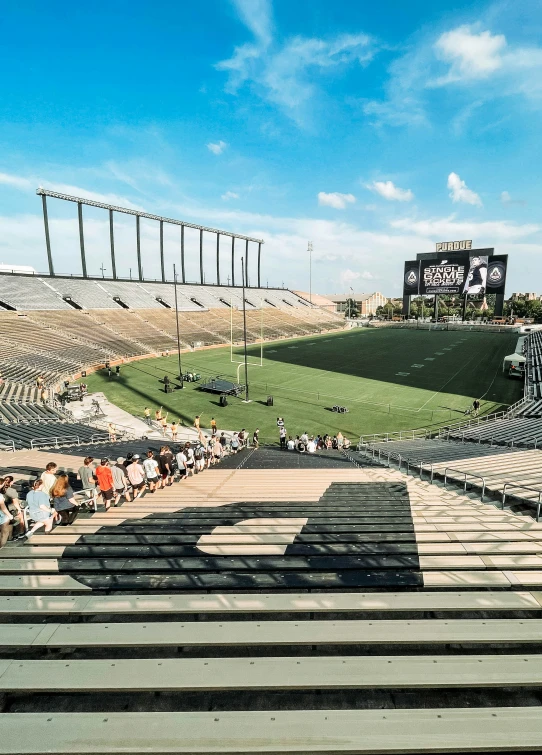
[(465, 481), (57, 440), (7, 445), (421, 433), (523, 487)]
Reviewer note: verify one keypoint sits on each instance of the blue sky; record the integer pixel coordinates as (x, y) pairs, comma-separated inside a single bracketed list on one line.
[(373, 130)]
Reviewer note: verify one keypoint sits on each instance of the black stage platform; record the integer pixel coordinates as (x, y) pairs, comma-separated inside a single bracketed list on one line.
[(218, 385)]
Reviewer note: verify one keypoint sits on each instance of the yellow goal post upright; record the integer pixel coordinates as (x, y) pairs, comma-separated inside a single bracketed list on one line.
[(240, 363)]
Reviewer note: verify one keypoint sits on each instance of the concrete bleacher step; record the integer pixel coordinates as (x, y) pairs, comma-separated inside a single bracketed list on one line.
[(274, 731), (272, 633)]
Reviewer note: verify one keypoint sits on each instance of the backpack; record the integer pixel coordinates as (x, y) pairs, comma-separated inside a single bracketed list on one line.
[(198, 453)]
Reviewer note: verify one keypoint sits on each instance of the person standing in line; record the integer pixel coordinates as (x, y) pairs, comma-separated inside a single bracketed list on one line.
[(208, 451), (235, 443), (189, 452), (39, 509), (104, 477), (136, 475), (165, 462), (282, 437), (150, 465), (147, 415), (223, 442), (256, 438), (242, 438), (86, 475), (340, 439), (218, 450), (120, 481), (64, 501), (181, 464)]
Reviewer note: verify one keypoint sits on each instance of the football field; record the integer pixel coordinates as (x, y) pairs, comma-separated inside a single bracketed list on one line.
[(389, 379)]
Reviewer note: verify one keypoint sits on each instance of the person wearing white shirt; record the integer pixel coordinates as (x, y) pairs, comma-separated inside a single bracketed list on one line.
[(291, 444), (181, 464), (151, 467), (311, 446), (305, 438)]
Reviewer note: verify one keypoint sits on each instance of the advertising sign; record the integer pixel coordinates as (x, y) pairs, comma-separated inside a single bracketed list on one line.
[(474, 274)]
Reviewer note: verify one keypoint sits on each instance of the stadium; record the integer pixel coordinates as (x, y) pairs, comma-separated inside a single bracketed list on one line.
[(239, 513)]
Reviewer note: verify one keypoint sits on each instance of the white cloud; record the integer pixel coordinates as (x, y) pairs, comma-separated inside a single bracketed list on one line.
[(505, 197), (489, 232), (389, 191), (217, 148), (18, 182), (470, 55), (285, 74), (348, 276), (460, 193), (229, 195), (335, 199)]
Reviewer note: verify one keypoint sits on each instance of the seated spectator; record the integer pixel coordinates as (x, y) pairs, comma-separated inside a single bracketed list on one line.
[(291, 444), (39, 509), (311, 446), (63, 500), (346, 443), (5, 522), (11, 499), (235, 443), (334, 442), (305, 438), (340, 439), (49, 477)]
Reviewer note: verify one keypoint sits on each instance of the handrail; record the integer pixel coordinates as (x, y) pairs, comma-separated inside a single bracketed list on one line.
[(48, 441), (97, 437), (7, 445), (523, 487), (466, 474)]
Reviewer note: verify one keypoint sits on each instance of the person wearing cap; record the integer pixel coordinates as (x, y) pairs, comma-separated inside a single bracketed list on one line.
[(136, 475), (104, 477), (120, 481)]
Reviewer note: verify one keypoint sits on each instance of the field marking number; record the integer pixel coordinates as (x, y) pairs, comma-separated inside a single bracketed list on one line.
[(403, 374), (417, 365), (429, 359)]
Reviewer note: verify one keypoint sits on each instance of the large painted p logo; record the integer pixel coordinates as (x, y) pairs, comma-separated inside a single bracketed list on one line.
[(251, 537)]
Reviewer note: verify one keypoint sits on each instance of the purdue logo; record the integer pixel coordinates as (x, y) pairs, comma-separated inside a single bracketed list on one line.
[(496, 274), (411, 278)]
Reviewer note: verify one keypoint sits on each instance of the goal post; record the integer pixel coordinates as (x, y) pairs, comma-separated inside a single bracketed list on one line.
[(239, 358)]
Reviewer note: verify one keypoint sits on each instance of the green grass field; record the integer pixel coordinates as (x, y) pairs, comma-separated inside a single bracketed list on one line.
[(390, 379)]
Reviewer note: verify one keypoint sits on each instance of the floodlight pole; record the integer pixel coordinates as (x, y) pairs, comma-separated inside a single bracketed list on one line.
[(47, 237), (177, 322), (244, 327), (310, 271)]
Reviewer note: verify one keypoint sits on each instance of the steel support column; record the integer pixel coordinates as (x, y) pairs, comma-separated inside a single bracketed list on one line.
[(233, 260), (218, 259), (259, 261), (47, 237), (162, 251), (82, 239), (435, 310), (201, 255), (138, 248), (112, 244), (182, 254), (246, 263)]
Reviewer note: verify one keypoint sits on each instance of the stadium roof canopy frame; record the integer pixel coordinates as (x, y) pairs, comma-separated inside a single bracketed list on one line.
[(138, 214)]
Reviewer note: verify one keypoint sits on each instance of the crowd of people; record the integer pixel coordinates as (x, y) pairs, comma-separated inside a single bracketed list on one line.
[(310, 444), (52, 501)]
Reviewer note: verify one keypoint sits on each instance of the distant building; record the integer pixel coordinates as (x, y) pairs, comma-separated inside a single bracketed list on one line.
[(524, 297), (19, 269), (317, 300), (367, 304)]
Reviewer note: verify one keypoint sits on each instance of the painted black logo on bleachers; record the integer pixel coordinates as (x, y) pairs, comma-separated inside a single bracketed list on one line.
[(356, 535)]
